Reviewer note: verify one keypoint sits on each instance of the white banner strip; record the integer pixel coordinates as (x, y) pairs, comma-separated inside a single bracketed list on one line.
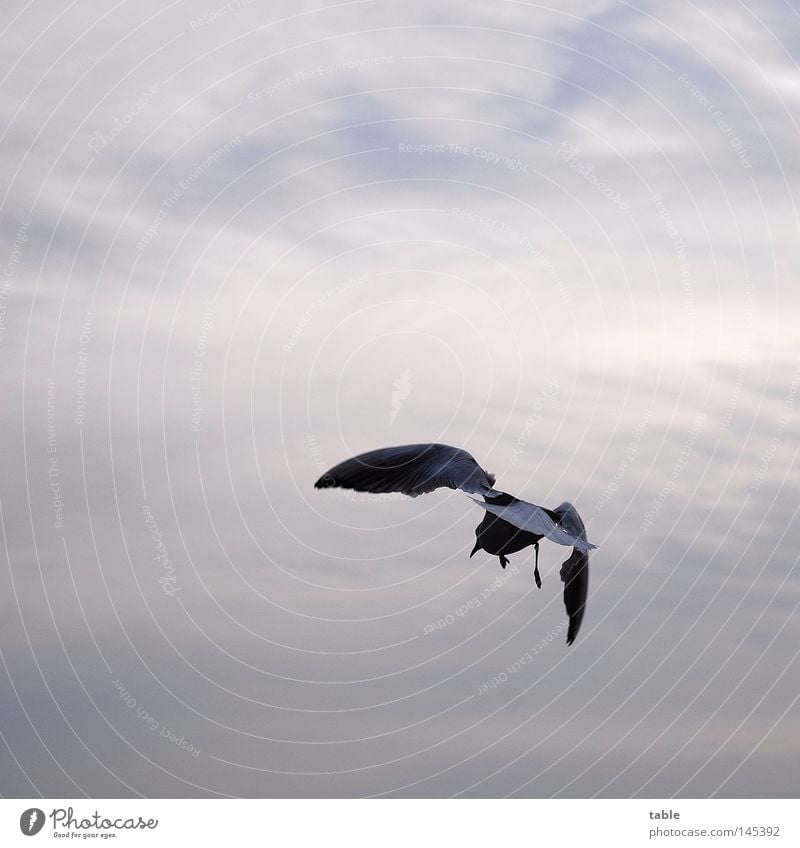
[(403, 823)]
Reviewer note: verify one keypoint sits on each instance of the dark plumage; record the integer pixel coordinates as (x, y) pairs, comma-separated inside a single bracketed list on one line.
[(501, 539), (509, 525)]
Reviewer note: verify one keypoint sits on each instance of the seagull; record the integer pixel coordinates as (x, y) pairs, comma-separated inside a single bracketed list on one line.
[(510, 524)]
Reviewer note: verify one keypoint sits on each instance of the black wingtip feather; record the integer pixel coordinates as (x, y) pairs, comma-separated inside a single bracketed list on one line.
[(575, 574)]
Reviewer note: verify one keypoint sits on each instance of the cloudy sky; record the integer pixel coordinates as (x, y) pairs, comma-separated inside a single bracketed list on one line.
[(242, 242)]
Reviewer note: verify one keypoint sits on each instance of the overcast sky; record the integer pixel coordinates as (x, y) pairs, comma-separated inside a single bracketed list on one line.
[(242, 242)]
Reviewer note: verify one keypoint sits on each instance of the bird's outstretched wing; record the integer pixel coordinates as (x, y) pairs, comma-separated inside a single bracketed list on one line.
[(538, 520), (417, 469), (410, 469), (574, 571)]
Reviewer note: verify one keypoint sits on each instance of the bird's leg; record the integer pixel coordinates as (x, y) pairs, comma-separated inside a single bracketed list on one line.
[(503, 561), (536, 575)]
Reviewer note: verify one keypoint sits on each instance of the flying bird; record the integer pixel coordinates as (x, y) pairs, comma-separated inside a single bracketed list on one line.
[(510, 524)]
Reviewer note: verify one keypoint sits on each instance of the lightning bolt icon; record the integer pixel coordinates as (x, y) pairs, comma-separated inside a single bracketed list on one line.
[(32, 822)]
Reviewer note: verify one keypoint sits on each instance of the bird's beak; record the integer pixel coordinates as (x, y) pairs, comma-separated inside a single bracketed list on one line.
[(475, 549)]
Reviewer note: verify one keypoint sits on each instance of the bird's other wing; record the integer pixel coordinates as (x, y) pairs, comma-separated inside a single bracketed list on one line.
[(574, 571), (410, 469), (535, 519)]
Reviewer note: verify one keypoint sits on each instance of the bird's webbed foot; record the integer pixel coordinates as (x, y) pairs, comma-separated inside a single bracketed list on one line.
[(504, 561), (536, 576)]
